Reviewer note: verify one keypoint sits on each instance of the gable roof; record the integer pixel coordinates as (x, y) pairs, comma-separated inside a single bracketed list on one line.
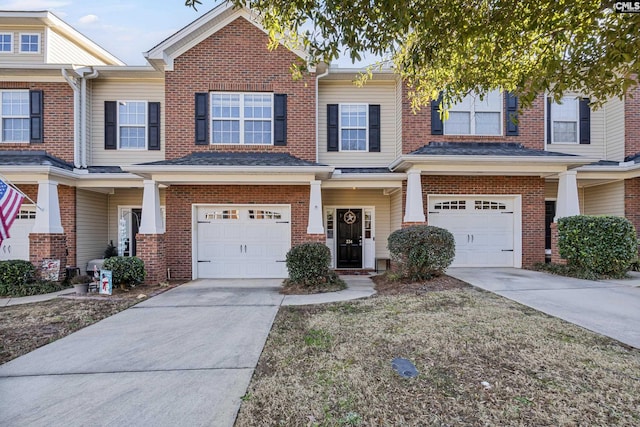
[(50, 20), (163, 54)]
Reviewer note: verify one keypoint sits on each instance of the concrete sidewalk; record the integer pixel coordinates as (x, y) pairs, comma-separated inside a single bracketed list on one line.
[(611, 308), (184, 357)]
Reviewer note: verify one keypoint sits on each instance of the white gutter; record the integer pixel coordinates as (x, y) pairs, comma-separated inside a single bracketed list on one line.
[(76, 116), (318, 77), (411, 159), (83, 114)]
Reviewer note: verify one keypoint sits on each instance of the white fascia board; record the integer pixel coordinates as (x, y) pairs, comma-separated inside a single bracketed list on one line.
[(32, 174), (608, 172), (413, 161), (384, 184), (396, 176)]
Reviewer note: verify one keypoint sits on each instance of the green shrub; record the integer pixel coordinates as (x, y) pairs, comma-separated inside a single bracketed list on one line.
[(603, 245), (421, 252), (126, 271), (14, 274), (308, 262)]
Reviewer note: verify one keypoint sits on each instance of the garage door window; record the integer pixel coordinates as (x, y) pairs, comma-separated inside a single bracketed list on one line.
[(486, 205), (26, 214), (451, 205), (223, 214), (262, 214)]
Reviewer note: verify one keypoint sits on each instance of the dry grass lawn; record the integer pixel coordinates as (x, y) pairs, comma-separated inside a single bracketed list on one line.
[(330, 365)]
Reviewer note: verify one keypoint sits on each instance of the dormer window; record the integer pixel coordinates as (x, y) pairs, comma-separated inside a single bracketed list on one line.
[(6, 43), (29, 43)]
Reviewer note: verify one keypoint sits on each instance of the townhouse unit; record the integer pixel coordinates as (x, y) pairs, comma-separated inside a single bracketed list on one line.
[(212, 161)]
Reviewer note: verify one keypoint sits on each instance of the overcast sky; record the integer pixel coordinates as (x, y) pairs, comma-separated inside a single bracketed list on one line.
[(124, 28)]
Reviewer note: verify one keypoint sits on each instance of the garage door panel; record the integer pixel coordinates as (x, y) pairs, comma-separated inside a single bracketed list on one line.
[(249, 245)]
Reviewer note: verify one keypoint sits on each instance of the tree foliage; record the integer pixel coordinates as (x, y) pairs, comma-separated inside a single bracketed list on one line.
[(460, 46)]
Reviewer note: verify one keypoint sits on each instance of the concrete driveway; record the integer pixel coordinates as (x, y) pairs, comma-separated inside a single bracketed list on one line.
[(611, 308), (184, 357)]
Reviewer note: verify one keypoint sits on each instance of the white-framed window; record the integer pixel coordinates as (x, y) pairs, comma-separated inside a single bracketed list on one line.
[(242, 118), (354, 119), (6, 43), (564, 118), (29, 43), (14, 115), (132, 125), (475, 116)]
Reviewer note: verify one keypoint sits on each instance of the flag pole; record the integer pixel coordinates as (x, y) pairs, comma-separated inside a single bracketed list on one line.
[(12, 185)]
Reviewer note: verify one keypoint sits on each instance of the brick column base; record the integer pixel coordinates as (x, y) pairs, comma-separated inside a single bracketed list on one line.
[(150, 248), (409, 224), (555, 253), (48, 246), (319, 238)]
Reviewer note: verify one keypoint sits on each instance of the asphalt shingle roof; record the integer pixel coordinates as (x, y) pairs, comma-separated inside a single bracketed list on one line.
[(32, 158), (220, 158), (365, 170), (483, 149), (105, 169)]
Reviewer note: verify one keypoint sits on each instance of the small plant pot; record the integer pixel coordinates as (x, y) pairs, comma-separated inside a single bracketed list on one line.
[(81, 289)]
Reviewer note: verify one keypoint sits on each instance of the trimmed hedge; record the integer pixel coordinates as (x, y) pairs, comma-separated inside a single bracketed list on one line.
[(126, 271), (308, 262), (421, 252), (18, 279), (603, 245)]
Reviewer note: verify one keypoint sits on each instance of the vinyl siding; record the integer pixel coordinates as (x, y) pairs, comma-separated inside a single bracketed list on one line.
[(91, 229), (614, 129), (123, 90), (396, 211), (606, 199), (345, 92), (364, 198), (61, 50), (16, 56), (398, 152), (551, 190), (125, 197)]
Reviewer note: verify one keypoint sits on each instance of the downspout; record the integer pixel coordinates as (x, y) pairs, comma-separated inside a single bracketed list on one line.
[(318, 77), (76, 117), (83, 127)]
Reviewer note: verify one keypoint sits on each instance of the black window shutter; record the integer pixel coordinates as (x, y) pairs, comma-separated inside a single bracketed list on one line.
[(202, 118), (332, 127), (585, 121), (110, 125), (512, 114), (374, 128), (280, 120), (35, 116), (154, 126), (549, 124), (437, 127)]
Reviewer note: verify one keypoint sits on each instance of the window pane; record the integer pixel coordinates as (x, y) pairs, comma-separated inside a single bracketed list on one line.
[(567, 111), (257, 132), (487, 123), (29, 43), (5, 43), (257, 106), (132, 137), (225, 105), (459, 123), (353, 116), (15, 130), (565, 132), (15, 104), (132, 113), (354, 139), (226, 132)]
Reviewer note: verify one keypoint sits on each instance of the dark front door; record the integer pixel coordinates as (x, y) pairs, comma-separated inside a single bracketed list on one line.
[(136, 215), (349, 238), (549, 214)]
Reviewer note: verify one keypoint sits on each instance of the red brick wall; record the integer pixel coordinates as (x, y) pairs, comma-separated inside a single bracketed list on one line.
[(58, 119), (416, 128), (632, 202), (151, 249), (632, 122), (236, 58), (531, 189), (48, 246), (179, 214)]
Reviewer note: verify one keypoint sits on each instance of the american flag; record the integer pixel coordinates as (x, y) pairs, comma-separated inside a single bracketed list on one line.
[(10, 202)]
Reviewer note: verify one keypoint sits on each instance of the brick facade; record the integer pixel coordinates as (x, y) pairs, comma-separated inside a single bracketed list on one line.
[(48, 246), (58, 119), (632, 202), (235, 59), (416, 127), (632, 122), (151, 249), (531, 189), (180, 198)]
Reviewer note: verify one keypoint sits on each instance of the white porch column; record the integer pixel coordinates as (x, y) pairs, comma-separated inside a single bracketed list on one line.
[(567, 203), (315, 225), (151, 215), (414, 208), (48, 219)]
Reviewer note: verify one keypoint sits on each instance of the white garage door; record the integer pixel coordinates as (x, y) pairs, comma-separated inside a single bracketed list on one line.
[(17, 246), (242, 241), (485, 229)]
